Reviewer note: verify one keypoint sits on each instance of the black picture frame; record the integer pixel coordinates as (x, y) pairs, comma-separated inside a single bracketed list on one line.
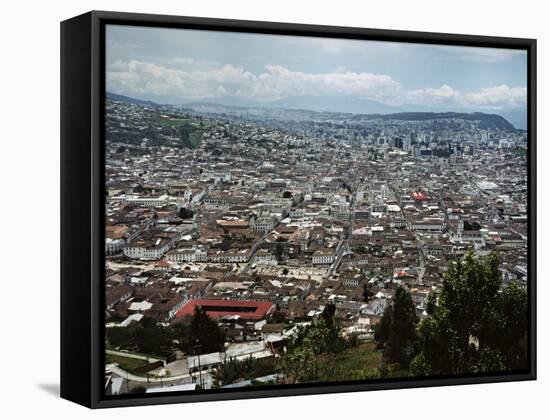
[(83, 203)]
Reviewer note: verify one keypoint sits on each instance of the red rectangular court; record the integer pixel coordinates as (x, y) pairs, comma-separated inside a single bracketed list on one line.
[(217, 308)]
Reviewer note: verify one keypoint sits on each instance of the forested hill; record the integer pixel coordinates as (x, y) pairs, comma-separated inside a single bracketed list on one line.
[(127, 99), (487, 121)]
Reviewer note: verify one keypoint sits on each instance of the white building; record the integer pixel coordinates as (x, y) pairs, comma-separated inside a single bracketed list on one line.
[(114, 246), (187, 255), (297, 212), (148, 201), (229, 256), (323, 257), (264, 223), (143, 253), (428, 225), (265, 257), (148, 250)]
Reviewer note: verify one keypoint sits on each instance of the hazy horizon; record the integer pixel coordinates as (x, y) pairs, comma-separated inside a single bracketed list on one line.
[(179, 66)]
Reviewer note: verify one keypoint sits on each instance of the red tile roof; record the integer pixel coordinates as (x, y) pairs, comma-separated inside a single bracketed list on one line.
[(217, 308)]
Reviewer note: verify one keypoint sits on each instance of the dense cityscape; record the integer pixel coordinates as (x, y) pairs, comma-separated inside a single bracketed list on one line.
[(258, 247)]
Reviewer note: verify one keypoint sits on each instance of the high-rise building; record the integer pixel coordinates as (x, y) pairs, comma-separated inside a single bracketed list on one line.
[(406, 144)]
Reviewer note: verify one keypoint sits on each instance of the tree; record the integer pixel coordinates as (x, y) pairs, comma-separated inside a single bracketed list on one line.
[(227, 372), (152, 339), (185, 213), (119, 337), (328, 313), (402, 341), (512, 303), (367, 292), (179, 332), (278, 317), (204, 332), (322, 336), (396, 332), (383, 328), (278, 251), (298, 364), (475, 325)]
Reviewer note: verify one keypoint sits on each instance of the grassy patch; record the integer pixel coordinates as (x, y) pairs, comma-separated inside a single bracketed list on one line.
[(188, 130), (127, 363), (170, 122), (397, 372), (361, 362)]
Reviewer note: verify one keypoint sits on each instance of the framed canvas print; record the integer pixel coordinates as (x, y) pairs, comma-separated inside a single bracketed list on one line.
[(255, 209)]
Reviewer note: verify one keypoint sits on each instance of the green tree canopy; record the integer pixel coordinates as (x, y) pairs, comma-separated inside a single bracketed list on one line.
[(474, 325), (152, 338), (383, 328), (396, 332), (185, 213), (227, 372), (204, 332), (298, 363)]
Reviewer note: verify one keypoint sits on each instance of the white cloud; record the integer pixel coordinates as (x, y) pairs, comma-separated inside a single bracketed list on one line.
[(278, 82), (498, 96), (444, 93)]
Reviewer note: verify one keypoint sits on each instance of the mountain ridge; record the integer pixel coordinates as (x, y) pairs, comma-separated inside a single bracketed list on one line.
[(486, 120), (130, 100)]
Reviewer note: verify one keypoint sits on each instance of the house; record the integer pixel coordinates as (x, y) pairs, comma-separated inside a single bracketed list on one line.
[(168, 308), (264, 256), (264, 223), (187, 255), (152, 244), (117, 294), (323, 256)]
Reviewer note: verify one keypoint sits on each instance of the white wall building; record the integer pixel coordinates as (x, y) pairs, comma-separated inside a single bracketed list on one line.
[(323, 257), (114, 246), (188, 255)]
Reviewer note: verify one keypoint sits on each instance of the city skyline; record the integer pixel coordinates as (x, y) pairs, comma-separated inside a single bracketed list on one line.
[(269, 245)]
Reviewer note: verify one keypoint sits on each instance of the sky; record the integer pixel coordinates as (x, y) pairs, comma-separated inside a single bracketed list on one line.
[(179, 66)]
